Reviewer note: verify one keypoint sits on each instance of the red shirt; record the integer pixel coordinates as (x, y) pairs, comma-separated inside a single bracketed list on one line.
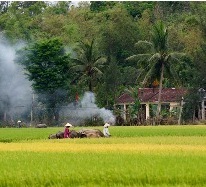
[(66, 132)]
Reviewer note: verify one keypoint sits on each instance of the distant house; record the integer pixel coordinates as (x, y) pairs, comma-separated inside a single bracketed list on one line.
[(171, 100)]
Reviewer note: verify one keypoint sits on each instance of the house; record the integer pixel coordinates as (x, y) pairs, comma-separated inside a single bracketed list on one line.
[(171, 100)]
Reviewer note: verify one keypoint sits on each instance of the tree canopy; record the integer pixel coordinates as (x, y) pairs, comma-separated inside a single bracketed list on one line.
[(115, 31)]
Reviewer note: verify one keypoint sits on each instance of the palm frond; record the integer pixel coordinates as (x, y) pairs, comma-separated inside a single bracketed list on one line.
[(76, 61), (173, 73), (176, 55), (77, 68), (145, 43), (143, 70), (144, 46), (96, 70), (175, 60), (159, 37), (100, 61), (144, 56), (83, 78), (154, 57), (138, 57), (133, 91), (149, 74), (132, 58)]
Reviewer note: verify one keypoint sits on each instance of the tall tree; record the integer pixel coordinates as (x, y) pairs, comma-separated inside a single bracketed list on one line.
[(118, 32), (156, 58), (88, 64), (18, 21), (46, 65), (108, 88)]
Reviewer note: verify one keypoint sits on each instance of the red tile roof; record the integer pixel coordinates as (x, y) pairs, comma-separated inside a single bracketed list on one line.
[(151, 95)]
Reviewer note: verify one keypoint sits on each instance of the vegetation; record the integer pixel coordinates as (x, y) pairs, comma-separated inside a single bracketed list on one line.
[(85, 47), (133, 156), (158, 58), (87, 64), (47, 66)]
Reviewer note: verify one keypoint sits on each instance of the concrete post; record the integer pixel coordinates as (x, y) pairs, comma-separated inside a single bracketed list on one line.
[(125, 111), (147, 111)]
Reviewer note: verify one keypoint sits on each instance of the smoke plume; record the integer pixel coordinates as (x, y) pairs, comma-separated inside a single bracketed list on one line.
[(86, 108), (15, 89), (16, 93)]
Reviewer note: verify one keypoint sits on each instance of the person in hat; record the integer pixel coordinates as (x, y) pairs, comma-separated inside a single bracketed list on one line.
[(19, 123), (66, 130), (106, 130)]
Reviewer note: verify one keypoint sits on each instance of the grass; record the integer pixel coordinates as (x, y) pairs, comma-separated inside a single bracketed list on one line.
[(113, 169), (133, 156), (26, 134)]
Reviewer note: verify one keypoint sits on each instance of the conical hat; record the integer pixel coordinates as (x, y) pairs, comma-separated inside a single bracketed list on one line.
[(68, 125), (106, 125)]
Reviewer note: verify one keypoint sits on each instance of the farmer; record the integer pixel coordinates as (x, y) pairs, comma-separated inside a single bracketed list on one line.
[(66, 130), (106, 130), (19, 123)]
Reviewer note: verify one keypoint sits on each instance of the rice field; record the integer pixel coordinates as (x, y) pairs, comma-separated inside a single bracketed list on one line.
[(133, 156)]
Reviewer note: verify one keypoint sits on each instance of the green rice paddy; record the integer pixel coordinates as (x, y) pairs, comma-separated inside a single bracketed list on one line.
[(133, 156)]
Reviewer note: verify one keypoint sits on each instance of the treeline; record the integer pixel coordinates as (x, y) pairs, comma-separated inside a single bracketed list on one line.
[(73, 49)]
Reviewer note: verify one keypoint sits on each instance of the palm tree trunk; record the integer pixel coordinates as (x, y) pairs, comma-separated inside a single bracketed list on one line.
[(160, 93)]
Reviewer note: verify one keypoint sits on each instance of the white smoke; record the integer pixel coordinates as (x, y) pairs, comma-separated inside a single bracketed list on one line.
[(15, 89), (86, 108), (88, 102)]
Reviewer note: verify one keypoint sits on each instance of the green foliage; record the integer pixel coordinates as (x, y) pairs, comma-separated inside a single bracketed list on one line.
[(172, 7), (117, 32), (116, 26), (18, 19), (98, 6), (108, 88), (156, 58), (47, 65), (136, 9), (88, 64), (159, 38), (135, 108), (59, 7), (191, 106)]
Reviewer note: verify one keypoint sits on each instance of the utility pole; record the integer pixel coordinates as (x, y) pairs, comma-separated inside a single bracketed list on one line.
[(32, 106)]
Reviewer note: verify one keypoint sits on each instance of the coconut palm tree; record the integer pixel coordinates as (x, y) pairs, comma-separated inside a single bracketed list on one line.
[(87, 64), (155, 59)]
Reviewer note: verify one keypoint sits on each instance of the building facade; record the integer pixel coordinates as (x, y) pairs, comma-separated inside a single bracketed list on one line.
[(172, 99)]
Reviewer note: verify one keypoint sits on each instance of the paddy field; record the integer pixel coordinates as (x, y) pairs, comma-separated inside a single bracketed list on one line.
[(133, 156)]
